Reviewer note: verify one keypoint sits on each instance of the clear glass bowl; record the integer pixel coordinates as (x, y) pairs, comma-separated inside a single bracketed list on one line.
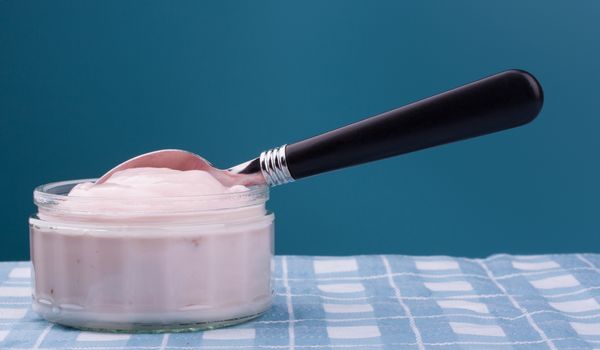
[(157, 264)]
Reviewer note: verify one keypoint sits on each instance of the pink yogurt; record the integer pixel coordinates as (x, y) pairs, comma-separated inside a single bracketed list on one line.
[(151, 250)]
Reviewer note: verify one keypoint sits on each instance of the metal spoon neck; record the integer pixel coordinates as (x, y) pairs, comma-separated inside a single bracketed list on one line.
[(274, 167)]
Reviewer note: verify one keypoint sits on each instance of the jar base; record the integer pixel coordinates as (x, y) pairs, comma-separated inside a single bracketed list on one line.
[(157, 329), (107, 326)]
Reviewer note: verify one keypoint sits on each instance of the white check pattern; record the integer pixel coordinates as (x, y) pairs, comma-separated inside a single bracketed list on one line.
[(370, 302)]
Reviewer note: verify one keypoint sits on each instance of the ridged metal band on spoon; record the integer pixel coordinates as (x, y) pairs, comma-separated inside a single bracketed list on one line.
[(273, 166)]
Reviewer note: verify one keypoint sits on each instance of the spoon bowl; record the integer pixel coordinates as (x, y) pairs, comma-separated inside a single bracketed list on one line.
[(183, 160)]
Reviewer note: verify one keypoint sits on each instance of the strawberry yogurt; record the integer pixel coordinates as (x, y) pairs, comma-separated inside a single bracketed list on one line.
[(151, 249)]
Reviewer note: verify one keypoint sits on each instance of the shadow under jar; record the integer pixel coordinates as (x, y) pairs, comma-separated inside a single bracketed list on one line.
[(151, 264)]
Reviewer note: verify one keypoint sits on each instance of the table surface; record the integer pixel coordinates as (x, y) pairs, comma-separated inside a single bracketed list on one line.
[(370, 302)]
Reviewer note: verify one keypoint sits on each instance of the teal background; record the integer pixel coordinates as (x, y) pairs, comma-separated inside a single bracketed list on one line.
[(85, 85)]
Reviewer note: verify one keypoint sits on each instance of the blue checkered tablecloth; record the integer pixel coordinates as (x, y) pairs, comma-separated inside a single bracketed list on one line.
[(370, 302)]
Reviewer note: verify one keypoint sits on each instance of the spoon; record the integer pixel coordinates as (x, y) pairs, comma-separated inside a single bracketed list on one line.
[(502, 101)]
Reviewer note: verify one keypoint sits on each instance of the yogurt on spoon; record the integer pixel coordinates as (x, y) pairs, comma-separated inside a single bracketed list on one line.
[(155, 182)]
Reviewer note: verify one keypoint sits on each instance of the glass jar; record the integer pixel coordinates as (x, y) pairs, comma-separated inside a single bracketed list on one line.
[(153, 264)]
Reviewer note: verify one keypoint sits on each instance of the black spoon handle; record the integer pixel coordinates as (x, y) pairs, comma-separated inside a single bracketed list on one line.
[(499, 102)]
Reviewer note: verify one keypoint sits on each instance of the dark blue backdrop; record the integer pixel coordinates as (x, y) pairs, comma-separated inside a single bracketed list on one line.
[(87, 84)]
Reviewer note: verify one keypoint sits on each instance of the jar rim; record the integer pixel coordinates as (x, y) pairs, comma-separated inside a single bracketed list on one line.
[(50, 196), (43, 190)]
